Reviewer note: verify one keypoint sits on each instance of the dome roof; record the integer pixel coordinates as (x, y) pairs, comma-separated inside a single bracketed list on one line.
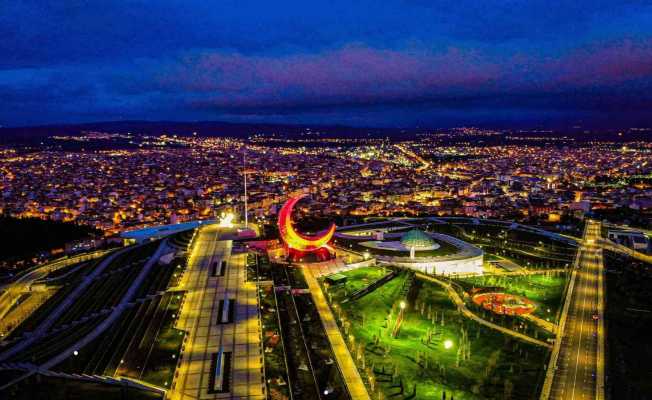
[(417, 239)]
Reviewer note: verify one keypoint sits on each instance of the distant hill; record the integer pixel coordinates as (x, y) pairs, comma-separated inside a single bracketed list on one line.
[(26, 237), (33, 134), (202, 128)]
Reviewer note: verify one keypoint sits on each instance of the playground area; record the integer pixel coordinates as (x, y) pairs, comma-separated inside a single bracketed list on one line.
[(504, 303)]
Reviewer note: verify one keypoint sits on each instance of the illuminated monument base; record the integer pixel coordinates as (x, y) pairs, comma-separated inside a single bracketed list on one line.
[(318, 255)]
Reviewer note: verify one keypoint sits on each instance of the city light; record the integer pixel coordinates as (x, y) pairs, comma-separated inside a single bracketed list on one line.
[(226, 220)]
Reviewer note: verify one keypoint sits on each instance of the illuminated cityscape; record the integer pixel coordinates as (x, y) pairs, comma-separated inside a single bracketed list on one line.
[(346, 201)]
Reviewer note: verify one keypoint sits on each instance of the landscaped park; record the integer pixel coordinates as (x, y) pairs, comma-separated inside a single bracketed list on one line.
[(545, 289), (411, 342)]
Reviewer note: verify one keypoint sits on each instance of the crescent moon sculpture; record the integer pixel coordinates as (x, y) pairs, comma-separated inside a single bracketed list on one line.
[(294, 239)]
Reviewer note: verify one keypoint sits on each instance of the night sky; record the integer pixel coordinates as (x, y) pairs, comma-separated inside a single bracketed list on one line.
[(365, 63)]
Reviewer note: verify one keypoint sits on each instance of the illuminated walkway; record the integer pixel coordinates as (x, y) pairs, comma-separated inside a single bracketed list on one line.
[(199, 317), (541, 323), (576, 369), (467, 313), (347, 366)]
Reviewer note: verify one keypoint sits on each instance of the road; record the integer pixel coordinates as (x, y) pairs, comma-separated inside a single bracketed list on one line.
[(577, 370), (199, 317), (619, 248), (424, 164)]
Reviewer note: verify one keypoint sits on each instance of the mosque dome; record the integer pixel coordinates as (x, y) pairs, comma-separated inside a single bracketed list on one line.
[(417, 239)]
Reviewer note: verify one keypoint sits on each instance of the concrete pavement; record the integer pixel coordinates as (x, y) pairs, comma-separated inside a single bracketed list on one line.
[(200, 317)]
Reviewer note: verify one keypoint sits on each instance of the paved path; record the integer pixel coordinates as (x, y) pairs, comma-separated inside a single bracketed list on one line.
[(347, 366), (205, 337), (576, 369), (467, 313), (540, 322)]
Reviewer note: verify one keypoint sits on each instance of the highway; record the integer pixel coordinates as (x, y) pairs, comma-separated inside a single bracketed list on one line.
[(576, 372)]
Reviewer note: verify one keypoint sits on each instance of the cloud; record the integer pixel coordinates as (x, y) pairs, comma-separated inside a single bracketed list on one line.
[(358, 75), (354, 79), (607, 64), (348, 75)]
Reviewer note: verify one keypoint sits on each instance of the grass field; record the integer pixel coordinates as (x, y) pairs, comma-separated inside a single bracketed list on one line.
[(546, 290), (490, 364), (161, 362), (357, 279), (141, 344)]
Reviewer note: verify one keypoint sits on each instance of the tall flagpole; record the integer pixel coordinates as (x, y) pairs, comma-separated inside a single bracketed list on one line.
[(244, 172)]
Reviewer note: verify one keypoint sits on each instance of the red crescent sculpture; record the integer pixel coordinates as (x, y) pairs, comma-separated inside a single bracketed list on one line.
[(296, 240)]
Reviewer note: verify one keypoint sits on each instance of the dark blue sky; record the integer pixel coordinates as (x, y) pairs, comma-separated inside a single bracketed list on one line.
[(378, 63)]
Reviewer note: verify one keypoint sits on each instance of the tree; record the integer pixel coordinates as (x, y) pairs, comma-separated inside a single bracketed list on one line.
[(509, 387)]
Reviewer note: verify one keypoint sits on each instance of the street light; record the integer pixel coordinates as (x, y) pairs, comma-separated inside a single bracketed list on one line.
[(402, 305), (448, 344)]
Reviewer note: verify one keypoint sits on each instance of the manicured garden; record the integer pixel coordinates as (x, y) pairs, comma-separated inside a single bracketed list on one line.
[(358, 279), (546, 290), (276, 372), (436, 350)]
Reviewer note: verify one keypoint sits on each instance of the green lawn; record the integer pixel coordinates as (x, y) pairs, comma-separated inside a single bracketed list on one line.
[(497, 364), (162, 362), (359, 278), (546, 290)]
